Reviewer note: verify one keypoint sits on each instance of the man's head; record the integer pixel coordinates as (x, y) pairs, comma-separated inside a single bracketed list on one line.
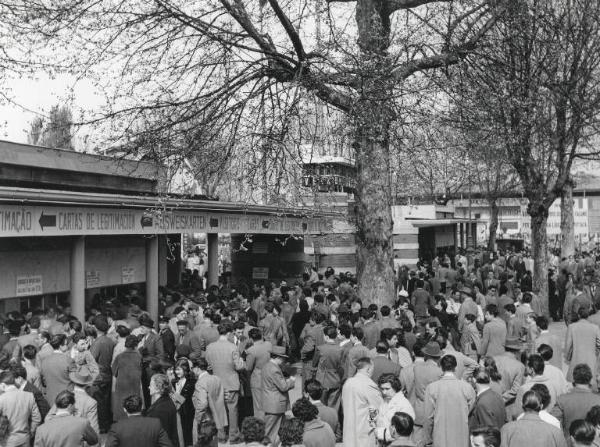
[(7, 378), (253, 429), (532, 402), (65, 400), (543, 392), (330, 334), (132, 404), (401, 424), (485, 437), (390, 336), (364, 365), (582, 374), (535, 365), (448, 363), (304, 410), (382, 347), (59, 342), (313, 389), (357, 335), (582, 433), (491, 312), (224, 329), (182, 327)]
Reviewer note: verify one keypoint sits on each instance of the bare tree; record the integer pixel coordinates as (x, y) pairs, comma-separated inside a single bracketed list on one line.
[(536, 81), (55, 131), (243, 62)]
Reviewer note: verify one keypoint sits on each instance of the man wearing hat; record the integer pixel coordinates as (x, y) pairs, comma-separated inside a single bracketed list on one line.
[(423, 373), (85, 406), (151, 348), (511, 369), (275, 392)]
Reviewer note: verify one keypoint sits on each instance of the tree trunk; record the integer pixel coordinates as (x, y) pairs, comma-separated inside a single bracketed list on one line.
[(371, 118), (494, 211), (539, 249), (567, 224)]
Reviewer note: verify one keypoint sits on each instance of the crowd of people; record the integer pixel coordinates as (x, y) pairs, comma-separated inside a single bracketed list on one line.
[(461, 356)]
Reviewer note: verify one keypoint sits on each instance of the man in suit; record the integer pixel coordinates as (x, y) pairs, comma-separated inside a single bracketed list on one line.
[(329, 367), (311, 337), (576, 403), (209, 399), (488, 410), (56, 367), (167, 337), (511, 369), (257, 356), (102, 351), (530, 429), (381, 362), (356, 352), (275, 393), (32, 338), (592, 293), (273, 327), (225, 362), (66, 428), (421, 300), (370, 328), (23, 384), (582, 344), (20, 409), (552, 340), (188, 338), (152, 351), (494, 333), (314, 391), (136, 429), (85, 405), (207, 332)]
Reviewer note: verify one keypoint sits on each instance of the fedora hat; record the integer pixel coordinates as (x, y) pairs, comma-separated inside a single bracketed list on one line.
[(279, 351), (432, 349), (146, 321), (513, 344), (82, 376)]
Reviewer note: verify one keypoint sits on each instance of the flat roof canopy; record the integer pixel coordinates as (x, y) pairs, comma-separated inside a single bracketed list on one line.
[(37, 212), (425, 223)]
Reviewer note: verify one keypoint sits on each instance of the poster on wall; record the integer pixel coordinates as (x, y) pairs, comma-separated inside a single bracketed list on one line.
[(29, 285), (92, 279), (260, 273), (127, 275)]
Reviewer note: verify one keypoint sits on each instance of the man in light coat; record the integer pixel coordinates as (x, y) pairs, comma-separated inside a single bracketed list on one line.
[(20, 409), (208, 398), (257, 356), (448, 402), (361, 399), (275, 393), (582, 344), (494, 333), (225, 362), (66, 429)]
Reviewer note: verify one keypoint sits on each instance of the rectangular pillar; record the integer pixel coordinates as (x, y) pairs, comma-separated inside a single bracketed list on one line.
[(462, 235), (77, 292), (212, 246), (152, 277), (163, 254)]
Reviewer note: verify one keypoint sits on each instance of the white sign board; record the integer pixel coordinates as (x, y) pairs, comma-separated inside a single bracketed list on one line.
[(260, 273), (92, 279), (127, 275), (29, 285), (49, 220)]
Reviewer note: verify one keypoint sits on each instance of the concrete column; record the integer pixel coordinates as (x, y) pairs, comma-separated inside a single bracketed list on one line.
[(78, 278), (152, 277), (212, 245), (462, 234), (163, 253)]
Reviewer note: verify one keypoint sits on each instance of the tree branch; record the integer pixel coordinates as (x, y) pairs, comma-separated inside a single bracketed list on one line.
[(395, 5), (289, 29)]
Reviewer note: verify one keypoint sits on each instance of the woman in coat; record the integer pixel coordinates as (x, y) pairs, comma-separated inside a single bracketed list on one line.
[(184, 384), (163, 407), (127, 371)]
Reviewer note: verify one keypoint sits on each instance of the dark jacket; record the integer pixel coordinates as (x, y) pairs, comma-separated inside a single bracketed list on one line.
[(165, 410), (138, 430), (40, 400), (168, 341), (488, 411)]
